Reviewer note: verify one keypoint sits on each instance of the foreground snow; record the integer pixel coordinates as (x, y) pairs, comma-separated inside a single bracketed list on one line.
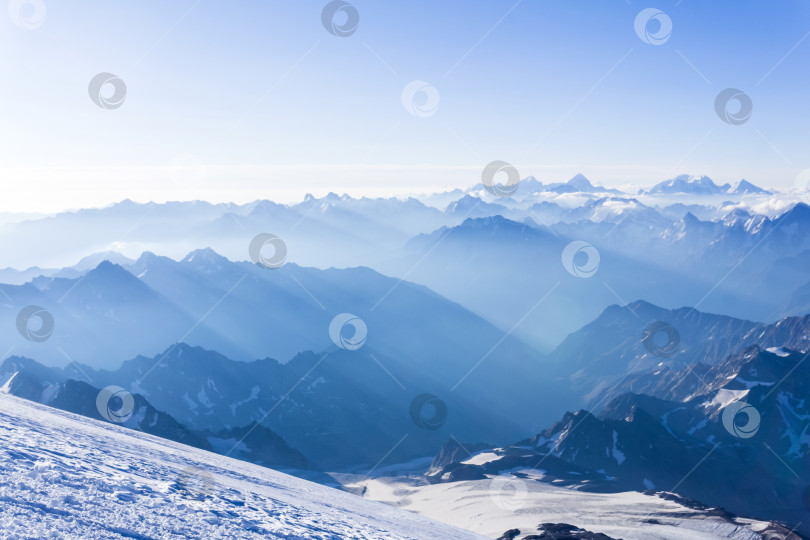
[(66, 476), (495, 505)]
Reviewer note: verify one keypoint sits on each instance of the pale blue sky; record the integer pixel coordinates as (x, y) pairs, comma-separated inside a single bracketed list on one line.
[(239, 100)]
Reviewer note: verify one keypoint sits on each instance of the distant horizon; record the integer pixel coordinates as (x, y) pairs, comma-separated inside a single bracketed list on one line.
[(9, 207), (198, 100)]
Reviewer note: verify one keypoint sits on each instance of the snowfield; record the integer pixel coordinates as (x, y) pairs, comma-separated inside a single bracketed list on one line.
[(66, 476), (500, 503)]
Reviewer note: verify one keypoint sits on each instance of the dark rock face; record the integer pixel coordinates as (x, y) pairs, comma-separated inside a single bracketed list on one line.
[(452, 451), (556, 531), (456, 472), (447, 467)]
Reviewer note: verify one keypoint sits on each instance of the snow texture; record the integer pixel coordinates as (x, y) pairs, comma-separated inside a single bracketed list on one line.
[(500, 503), (66, 476)]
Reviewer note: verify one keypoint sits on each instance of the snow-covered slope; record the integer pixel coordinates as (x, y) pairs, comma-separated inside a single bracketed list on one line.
[(66, 476)]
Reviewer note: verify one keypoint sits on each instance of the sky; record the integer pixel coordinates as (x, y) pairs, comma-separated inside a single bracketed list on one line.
[(234, 101)]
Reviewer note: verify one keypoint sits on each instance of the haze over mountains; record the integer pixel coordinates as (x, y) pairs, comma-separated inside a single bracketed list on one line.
[(682, 235), (578, 336), (334, 230)]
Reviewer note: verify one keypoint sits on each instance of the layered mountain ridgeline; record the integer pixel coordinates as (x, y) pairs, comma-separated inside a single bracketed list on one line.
[(513, 274), (747, 266), (749, 422), (245, 311), (646, 349), (728, 260), (332, 230), (242, 310), (352, 407), (343, 407), (257, 444)]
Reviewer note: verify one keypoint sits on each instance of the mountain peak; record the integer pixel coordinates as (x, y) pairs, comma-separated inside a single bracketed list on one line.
[(147, 256), (642, 304), (580, 182), (109, 269), (206, 256), (531, 183), (126, 203), (107, 276), (487, 222), (468, 203), (695, 179), (744, 187), (689, 184), (735, 216), (94, 259), (689, 217)]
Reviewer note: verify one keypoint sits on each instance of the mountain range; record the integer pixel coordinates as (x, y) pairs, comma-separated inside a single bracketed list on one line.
[(657, 399), (742, 254), (750, 267), (747, 423), (333, 230), (568, 337)]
